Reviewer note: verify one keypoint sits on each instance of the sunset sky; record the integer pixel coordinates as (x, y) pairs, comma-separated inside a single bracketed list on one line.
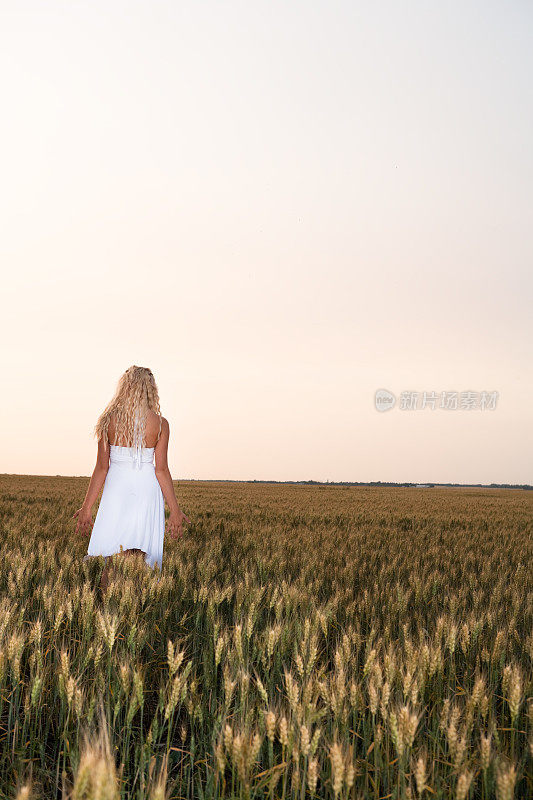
[(279, 207)]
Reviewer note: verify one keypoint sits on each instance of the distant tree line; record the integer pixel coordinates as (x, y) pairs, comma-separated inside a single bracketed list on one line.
[(371, 483)]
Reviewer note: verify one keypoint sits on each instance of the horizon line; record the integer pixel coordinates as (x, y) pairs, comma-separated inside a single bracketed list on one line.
[(306, 482)]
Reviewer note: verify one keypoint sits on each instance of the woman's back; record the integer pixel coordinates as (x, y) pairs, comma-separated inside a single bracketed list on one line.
[(131, 513), (151, 433), (132, 467)]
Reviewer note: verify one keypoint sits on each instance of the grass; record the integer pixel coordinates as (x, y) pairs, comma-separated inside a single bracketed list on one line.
[(302, 641)]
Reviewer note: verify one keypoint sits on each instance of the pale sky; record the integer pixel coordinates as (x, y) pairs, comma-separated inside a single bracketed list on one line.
[(279, 207)]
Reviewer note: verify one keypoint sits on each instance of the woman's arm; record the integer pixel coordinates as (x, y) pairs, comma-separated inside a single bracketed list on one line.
[(84, 514), (176, 518)]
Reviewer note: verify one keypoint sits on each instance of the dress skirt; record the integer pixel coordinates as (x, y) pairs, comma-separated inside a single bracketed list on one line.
[(131, 513)]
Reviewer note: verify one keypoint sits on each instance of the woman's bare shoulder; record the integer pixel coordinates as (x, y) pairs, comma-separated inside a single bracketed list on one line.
[(111, 426)]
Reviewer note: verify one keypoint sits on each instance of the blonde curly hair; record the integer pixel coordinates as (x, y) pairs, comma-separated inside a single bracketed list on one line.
[(136, 394)]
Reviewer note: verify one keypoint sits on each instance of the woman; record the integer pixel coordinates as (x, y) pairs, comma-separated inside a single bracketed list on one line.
[(131, 514)]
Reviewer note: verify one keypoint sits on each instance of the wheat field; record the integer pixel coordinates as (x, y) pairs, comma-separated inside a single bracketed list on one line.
[(300, 642)]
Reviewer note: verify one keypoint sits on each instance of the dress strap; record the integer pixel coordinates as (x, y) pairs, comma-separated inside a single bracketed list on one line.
[(136, 450)]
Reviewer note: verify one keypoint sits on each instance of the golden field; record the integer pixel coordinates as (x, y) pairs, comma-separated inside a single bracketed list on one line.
[(300, 642)]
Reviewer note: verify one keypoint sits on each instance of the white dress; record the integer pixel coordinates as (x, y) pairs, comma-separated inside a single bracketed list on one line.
[(132, 508)]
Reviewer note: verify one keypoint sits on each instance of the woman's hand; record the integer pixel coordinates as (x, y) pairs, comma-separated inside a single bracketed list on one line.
[(174, 524), (85, 520)]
